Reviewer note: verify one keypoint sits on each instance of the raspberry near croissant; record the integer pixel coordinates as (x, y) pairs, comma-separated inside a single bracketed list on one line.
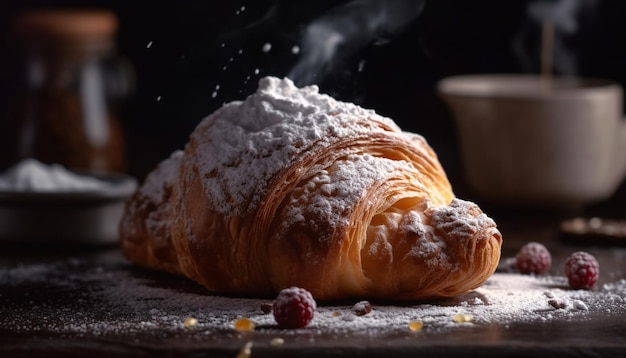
[(293, 188)]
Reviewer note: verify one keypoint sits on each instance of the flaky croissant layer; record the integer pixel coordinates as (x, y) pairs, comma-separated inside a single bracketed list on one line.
[(293, 188)]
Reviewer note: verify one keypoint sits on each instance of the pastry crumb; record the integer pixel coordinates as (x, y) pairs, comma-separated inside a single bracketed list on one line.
[(362, 308), (558, 304), (266, 307)]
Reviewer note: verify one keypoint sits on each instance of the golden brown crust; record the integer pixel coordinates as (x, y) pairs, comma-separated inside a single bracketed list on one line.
[(362, 211)]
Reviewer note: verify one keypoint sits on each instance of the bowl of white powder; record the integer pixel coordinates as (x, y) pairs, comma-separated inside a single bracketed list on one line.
[(51, 205)]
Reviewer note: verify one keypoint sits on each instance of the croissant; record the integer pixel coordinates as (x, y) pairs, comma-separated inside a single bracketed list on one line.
[(294, 188)]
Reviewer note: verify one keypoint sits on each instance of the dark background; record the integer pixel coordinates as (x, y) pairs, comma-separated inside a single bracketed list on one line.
[(179, 49)]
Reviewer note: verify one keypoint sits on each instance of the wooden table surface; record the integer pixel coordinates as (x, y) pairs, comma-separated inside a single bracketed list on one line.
[(51, 304)]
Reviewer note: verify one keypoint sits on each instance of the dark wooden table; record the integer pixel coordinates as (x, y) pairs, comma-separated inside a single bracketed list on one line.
[(92, 302)]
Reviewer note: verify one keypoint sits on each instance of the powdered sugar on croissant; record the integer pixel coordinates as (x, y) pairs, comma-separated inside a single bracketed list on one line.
[(293, 188)]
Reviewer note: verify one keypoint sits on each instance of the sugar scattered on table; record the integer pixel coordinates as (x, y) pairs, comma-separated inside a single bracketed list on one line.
[(127, 302)]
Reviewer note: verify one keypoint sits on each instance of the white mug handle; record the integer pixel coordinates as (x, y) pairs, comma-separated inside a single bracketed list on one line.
[(622, 148)]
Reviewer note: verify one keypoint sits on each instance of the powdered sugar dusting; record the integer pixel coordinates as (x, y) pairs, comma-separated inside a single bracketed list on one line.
[(163, 176), (457, 220), (460, 220), (338, 190), (154, 190), (249, 142), (428, 247), (158, 220)]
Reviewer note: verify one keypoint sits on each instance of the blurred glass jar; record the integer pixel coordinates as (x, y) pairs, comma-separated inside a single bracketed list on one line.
[(72, 82)]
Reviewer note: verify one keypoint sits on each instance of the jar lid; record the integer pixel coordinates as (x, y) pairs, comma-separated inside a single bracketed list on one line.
[(66, 24)]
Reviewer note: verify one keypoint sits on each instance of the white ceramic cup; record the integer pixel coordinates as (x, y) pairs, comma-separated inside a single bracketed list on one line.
[(527, 141)]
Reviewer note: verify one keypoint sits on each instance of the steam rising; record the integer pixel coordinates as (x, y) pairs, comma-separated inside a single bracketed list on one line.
[(332, 39), (566, 17)]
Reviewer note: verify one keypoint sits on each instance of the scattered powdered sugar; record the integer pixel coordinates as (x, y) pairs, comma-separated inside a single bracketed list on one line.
[(30, 175), (123, 301), (617, 288)]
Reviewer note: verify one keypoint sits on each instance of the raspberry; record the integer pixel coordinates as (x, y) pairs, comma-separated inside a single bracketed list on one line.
[(533, 258), (582, 270), (293, 308)]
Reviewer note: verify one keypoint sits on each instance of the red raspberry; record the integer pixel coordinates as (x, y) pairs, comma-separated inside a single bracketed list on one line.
[(293, 308), (582, 270), (533, 258)]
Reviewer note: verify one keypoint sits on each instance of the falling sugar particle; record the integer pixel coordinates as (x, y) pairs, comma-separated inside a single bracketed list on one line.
[(231, 59), (214, 94), (223, 44), (240, 51), (267, 47), (256, 71), (224, 68), (361, 65), (295, 50), (217, 87), (158, 98), (149, 44)]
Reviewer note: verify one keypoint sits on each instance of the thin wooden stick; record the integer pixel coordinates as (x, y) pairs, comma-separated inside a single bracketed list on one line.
[(547, 52)]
